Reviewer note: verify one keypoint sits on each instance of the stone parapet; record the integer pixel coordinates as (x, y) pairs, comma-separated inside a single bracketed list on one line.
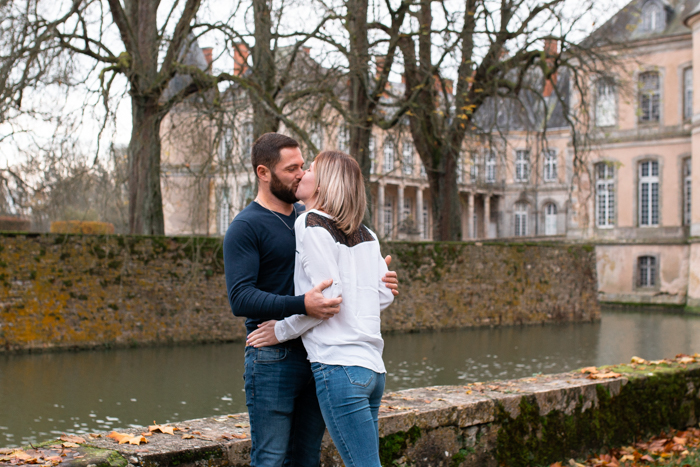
[(531, 421)]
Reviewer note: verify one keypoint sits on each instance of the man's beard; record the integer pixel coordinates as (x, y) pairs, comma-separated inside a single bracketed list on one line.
[(282, 192)]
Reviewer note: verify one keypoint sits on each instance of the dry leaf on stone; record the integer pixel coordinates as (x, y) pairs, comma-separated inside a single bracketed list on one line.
[(606, 375), (72, 439), (639, 361), (124, 438), (242, 425), (162, 429), (187, 436), (589, 369), (70, 445)]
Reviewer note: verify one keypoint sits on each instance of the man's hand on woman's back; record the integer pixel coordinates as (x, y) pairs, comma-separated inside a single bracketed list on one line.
[(319, 307)]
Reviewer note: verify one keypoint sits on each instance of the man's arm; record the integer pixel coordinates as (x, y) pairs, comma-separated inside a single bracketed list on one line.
[(242, 264)]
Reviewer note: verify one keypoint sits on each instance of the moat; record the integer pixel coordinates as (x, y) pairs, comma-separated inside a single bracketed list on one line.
[(43, 395)]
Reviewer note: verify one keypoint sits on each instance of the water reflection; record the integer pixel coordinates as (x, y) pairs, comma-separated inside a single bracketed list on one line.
[(49, 394)]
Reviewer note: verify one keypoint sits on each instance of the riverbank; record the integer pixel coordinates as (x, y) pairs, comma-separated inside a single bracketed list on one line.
[(530, 421), (106, 291)]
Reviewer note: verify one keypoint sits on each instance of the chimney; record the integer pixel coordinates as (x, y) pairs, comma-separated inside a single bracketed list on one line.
[(551, 50), (240, 59), (208, 56)]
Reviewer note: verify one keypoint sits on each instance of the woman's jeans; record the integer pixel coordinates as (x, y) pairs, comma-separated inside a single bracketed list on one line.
[(349, 397)]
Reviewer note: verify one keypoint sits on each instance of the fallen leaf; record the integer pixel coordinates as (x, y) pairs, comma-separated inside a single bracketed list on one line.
[(162, 428), (589, 369), (70, 445), (647, 458), (124, 438), (639, 361), (95, 435), (187, 436), (72, 439), (242, 425), (606, 375)]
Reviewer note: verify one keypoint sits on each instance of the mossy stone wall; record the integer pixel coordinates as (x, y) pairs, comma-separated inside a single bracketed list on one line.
[(82, 291)]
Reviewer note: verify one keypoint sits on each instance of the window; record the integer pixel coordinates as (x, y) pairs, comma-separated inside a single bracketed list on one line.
[(423, 173), (646, 271), (224, 212), (687, 186), (344, 139), (407, 157), (522, 165), (605, 194), (226, 145), (688, 93), (460, 169), (653, 17), (388, 216), (550, 219), (606, 104), (550, 165), (520, 219), (474, 171), (246, 139), (372, 155), (407, 209), (388, 155), (649, 97), (316, 135), (491, 167), (649, 193)]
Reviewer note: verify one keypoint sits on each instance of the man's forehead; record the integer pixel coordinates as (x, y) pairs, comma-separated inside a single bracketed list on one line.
[(291, 156)]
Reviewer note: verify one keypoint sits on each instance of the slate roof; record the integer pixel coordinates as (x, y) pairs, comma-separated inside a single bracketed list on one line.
[(624, 26)]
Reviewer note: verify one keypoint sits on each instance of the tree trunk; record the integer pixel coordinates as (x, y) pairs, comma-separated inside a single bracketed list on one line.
[(264, 70), (145, 199), (444, 193)]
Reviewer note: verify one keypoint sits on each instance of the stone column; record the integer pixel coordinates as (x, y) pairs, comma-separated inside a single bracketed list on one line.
[(693, 300), (487, 215), (470, 215), (399, 214), (380, 210), (419, 209)]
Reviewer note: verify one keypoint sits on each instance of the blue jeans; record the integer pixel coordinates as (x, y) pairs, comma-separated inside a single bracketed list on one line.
[(349, 397), (286, 425)]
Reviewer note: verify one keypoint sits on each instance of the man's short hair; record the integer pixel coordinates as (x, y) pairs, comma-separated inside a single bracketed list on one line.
[(266, 150)]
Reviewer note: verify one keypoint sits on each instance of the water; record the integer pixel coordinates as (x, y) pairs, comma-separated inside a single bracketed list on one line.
[(48, 394)]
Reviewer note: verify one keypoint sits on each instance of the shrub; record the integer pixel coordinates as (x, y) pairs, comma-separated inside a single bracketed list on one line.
[(14, 224), (82, 227)]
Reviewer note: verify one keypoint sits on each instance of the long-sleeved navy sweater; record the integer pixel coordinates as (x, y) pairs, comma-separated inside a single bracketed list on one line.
[(259, 264)]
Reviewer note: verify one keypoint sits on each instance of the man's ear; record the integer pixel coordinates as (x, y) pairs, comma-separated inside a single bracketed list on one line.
[(263, 173)]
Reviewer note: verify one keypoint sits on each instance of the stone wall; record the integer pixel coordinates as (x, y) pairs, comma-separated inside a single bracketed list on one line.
[(531, 421), (82, 291)]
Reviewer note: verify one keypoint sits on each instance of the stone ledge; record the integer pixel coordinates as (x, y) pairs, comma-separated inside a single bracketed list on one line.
[(518, 422)]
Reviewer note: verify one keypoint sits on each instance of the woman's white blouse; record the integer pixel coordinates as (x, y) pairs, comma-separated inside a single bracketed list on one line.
[(352, 337)]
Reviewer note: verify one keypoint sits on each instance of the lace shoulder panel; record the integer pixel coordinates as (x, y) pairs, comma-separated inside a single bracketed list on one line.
[(360, 235)]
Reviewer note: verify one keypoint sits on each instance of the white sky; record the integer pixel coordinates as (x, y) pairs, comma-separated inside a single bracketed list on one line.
[(119, 131)]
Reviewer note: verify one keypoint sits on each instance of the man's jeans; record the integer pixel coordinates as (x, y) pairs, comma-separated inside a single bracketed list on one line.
[(349, 397), (285, 419)]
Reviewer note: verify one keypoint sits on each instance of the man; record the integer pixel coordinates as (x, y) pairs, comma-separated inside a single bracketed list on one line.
[(285, 420)]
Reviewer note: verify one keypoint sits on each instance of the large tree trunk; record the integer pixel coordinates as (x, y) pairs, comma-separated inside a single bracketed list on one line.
[(145, 199), (264, 70), (444, 195)]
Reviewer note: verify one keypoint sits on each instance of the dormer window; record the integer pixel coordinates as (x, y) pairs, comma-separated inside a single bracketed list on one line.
[(653, 18)]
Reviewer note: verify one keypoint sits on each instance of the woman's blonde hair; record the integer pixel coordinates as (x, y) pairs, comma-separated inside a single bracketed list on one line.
[(341, 189)]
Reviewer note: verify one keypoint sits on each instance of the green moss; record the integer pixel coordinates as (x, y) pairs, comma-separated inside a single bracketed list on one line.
[(391, 447), (645, 405), (115, 264), (461, 456)]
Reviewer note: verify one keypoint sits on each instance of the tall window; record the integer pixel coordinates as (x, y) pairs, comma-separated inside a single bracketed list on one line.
[(226, 145), (522, 165), (316, 135), (246, 139), (649, 193), (606, 103), (550, 165), (605, 194), (344, 138), (520, 219), (407, 157), (426, 223), (646, 271), (460, 169), (688, 93), (388, 155), (550, 219), (687, 186), (649, 97), (388, 216), (372, 155), (491, 167), (224, 211), (653, 17), (407, 209), (423, 173), (475, 167)]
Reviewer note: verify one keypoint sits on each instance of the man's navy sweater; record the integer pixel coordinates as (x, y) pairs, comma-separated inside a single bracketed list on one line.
[(259, 249)]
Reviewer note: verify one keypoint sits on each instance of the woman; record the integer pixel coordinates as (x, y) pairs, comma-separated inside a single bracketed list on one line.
[(346, 350)]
